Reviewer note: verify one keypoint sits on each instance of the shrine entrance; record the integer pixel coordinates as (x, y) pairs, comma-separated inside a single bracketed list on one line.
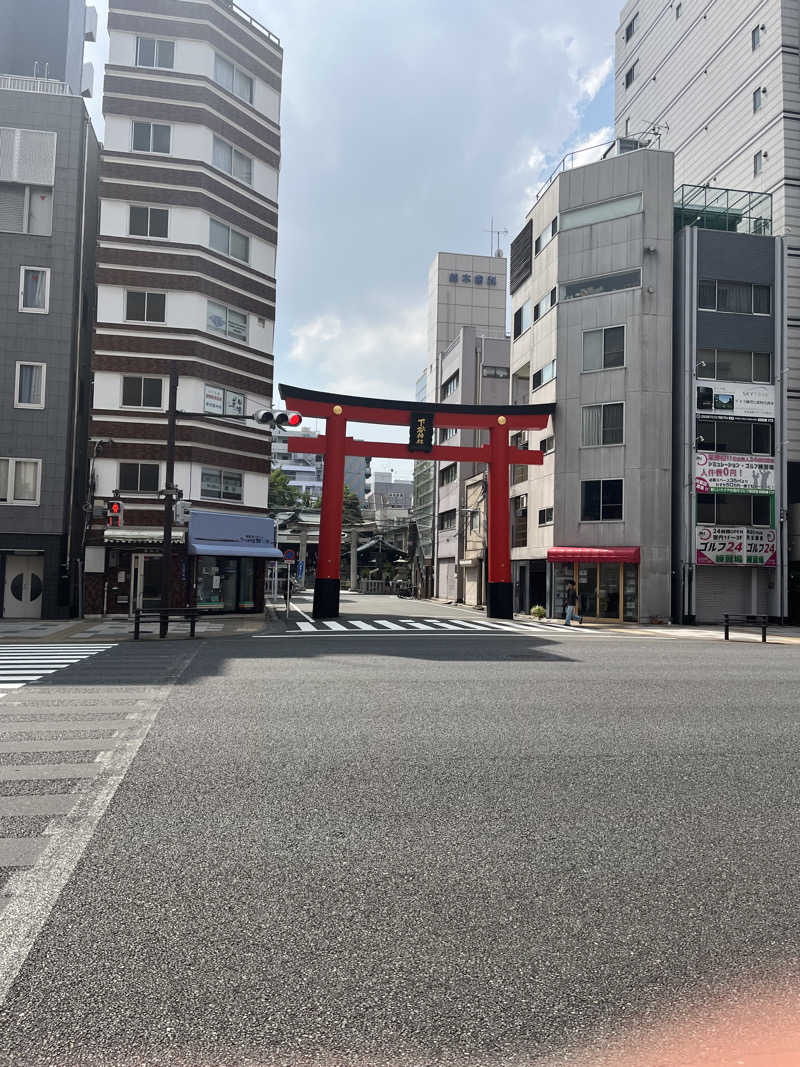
[(422, 421)]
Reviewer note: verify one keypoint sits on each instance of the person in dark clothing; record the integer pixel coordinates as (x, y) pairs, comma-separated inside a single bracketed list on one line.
[(572, 605)]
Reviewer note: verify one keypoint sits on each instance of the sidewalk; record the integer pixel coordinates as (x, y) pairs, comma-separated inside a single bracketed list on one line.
[(119, 628)]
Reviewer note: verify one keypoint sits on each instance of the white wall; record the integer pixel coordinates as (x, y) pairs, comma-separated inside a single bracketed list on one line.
[(187, 478)]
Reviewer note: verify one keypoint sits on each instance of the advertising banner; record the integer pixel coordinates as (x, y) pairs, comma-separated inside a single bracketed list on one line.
[(721, 472), (737, 400), (214, 400), (746, 546)]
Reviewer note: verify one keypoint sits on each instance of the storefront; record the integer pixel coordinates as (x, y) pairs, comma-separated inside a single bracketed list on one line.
[(229, 552), (607, 580)]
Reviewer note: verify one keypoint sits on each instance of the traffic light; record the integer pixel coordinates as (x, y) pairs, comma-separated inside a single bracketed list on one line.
[(278, 419), (183, 511), (115, 512)]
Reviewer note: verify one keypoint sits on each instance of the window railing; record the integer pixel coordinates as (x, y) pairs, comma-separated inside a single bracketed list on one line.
[(34, 85), (249, 19)]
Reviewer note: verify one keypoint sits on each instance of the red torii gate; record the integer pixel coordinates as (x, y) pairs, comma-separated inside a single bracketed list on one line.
[(421, 420)]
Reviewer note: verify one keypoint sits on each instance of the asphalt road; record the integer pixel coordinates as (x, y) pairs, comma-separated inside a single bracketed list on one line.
[(446, 848)]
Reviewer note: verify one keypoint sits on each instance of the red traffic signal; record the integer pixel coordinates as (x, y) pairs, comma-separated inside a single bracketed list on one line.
[(278, 419), (115, 511)]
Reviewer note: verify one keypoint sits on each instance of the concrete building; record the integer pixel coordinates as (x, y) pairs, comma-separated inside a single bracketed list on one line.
[(591, 285), (303, 469), (48, 211), (355, 476), (474, 370), (463, 290), (42, 42), (185, 279), (719, 85)]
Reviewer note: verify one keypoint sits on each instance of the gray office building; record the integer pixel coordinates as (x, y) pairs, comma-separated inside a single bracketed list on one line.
[(42, 41), (48, 216)]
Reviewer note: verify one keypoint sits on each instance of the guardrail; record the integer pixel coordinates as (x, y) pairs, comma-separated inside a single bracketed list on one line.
[(34, 85)]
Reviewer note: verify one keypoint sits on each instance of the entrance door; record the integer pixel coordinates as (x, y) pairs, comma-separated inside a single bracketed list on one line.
[(587, 589), (145, 583), (24, 585)]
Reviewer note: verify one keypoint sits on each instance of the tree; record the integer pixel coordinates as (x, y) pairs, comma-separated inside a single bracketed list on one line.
[(281, 493), (351, 507)]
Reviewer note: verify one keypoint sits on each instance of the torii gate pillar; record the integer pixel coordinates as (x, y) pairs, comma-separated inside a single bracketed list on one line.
[(500, 589), (326, 587)]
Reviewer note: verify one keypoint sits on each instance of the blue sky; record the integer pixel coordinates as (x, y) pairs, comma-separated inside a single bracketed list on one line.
[(402, 135)]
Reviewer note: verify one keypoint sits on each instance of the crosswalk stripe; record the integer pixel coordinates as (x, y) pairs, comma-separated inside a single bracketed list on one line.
[(441, 624), (416, 625), (307, 627), (334, 626), (359, 625), (469, 625), (388, 625)]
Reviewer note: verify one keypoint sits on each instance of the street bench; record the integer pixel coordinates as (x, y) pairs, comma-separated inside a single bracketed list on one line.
[(758, 621), (162, 617)]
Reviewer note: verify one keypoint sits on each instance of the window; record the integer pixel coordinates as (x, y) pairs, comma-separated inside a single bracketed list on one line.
[(488, 371), (630, 76), (756, 100), (544, 375), (448, 474), (739, 437), (145, 307), (26, 209), (450, 386), (151, 137), (446, 433), (735, 298), (731, 366), (230, 242), (225, 320), (632, 27), (546, 236), (734, 509), (545, 304), (522, 319), (678, 8), (607, 283), (34, 290), (604, 349), (138, 477), (20, 481), (220, 484), (29, 385), (620, 208), (601, 500), (547, 444), (232, 161), (148, 221), (140, 392), (602, 424), (545, 516), (758, 163), (447, 520), (154, 53), (232, 78), (755, 38)]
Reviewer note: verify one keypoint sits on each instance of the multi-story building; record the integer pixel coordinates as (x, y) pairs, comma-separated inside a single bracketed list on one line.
[(42, 40), (463, 290), (185, 281), (474, 370), (591, 291), (48, 210), (303, 469), (719, 85)]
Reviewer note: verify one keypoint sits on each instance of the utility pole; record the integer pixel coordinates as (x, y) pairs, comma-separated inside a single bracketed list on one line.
[(169, 490)]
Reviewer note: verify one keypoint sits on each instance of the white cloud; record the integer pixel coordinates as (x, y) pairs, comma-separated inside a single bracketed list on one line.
[(592, 82), (381, 357)]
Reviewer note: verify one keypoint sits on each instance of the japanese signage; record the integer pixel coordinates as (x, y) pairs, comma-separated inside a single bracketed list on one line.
[(214, 400), (751, 546), (467, 278), (234, 403), (718, 472), (420, 437), (735, 400)]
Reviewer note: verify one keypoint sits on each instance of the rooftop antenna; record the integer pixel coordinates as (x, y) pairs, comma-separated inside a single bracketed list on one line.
[(492, 231)]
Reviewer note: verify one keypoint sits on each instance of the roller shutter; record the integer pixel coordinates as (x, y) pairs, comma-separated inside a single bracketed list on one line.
[(721, 589)]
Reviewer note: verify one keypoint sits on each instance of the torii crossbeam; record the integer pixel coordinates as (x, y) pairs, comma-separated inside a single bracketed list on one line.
[(422, 420)]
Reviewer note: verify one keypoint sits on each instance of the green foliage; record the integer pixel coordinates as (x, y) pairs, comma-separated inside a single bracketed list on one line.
[(538, 612), (281, 493), (351, 507)]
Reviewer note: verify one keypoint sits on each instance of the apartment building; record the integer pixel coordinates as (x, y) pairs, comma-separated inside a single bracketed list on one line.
[(48, 210), (474, 370), (463, 290), (718, 84), (591, 292), (42, 40), (185, 281)]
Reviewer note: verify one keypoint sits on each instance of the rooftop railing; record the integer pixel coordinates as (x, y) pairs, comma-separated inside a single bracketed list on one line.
[(249, 19), (734, 210), (34, 85), (570, 161)]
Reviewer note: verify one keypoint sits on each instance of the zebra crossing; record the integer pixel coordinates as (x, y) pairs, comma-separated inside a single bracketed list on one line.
[(21, 664), (371, 625)]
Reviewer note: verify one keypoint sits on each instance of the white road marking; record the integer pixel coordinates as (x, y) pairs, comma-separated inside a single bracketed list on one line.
[(307, 627), (359, 625), (416, 625), (334, 626), (388, 625), (301, 612)]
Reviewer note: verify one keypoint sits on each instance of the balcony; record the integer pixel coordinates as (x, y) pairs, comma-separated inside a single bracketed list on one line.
[(34, 85), (732, 210)]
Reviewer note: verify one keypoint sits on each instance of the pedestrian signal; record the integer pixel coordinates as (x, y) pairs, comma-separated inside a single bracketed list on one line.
[(115, 511)]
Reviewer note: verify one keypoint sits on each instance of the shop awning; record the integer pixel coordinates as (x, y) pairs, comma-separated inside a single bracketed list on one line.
[(141, 535), (594, 555), (223, 533)]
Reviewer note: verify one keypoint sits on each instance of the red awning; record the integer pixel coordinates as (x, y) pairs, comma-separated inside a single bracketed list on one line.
[(594, 555)]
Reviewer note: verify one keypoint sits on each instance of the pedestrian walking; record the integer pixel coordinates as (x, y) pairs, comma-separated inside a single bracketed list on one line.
[(572, 605)]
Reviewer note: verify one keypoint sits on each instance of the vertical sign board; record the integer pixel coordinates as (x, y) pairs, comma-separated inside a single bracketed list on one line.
[(420, 434)]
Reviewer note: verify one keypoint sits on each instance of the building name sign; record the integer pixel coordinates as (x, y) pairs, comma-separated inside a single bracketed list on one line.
[(718, 472), (420, 436), (734, 400), (472, 279), (218, 401), (743, 546)]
